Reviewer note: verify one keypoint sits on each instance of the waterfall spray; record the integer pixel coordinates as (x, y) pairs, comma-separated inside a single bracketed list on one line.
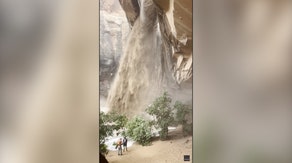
[(145, 67), (142, 12), (136, 81)]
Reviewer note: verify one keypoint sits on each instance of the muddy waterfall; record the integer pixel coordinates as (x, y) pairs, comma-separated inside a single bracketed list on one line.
[(146, 66)]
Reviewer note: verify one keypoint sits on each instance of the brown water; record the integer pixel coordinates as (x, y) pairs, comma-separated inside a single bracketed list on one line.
[(138, 76), (145, 68)]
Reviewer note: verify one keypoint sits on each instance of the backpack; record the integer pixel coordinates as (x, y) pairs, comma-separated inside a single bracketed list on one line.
[(125, 141), (119, 142)]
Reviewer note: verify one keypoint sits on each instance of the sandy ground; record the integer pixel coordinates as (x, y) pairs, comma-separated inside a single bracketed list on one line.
[(169, 151)]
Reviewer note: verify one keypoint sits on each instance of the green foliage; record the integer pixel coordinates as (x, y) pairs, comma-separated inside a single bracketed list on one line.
[(103, 149), (107, 124), (163, 113), (124, 133), (182, 111), (139, 130), (188, 129), (119, 121), (105, 129)]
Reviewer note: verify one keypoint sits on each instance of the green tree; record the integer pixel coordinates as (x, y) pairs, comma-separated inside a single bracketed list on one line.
[(163, 114), (119, 121), (105, 129), (182, 111), (107, 124), (139, 130)]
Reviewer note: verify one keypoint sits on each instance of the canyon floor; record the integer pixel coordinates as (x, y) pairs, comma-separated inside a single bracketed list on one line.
[(169, 151)]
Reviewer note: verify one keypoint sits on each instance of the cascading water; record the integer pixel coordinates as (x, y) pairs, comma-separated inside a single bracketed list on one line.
[(143, 72), (142, 12), (139, 70)]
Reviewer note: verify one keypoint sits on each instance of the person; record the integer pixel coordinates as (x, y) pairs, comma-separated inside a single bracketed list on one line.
[(119, 146), (125, 141)]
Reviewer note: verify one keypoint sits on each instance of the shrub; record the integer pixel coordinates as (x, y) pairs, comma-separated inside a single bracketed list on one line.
[(107, 124), (103, 149), (105, 129), (119, 121), (139, 130), (124, 133), (188, 129), (182, 111), (163, 114)]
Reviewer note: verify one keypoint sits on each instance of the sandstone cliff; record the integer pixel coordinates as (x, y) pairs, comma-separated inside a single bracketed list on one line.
[(114, 29), (157, 56)]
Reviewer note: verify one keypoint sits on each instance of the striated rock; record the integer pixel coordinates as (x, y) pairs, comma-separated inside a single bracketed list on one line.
[(114, 29), (175, 22), (132, 10), (150, 64)]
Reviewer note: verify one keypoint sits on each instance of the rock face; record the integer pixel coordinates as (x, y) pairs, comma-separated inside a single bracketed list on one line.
[(157, 57), (175, 22), (114, 29)]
